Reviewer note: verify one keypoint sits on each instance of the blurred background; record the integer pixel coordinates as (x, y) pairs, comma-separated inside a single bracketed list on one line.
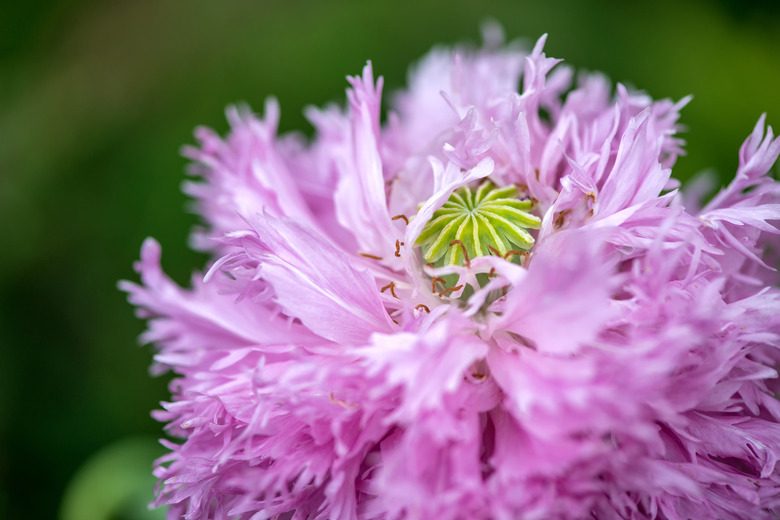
[(96, 99)]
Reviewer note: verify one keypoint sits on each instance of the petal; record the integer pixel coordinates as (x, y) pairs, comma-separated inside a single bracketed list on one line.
[(361, 203), (314, 281), (564, 301)]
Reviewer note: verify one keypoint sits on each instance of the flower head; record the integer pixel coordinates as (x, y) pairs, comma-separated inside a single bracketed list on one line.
[(497, 305)]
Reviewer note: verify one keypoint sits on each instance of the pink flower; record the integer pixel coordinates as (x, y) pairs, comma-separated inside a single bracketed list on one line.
[(498, 305)]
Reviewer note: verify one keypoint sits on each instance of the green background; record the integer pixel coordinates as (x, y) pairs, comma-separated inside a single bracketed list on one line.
[(97, 97)]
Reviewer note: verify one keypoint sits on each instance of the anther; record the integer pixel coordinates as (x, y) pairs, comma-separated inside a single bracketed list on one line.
[(342, 403), (479, 376), (423, 307), (465, 253), (390, 286), (398, 245), (436, 280), (397, 217), (372, 257), (451, 289), (494, 250), (514, 252), (558, 222)]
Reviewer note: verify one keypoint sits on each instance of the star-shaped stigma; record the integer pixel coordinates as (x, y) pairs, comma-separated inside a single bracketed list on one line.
[(477, 223)]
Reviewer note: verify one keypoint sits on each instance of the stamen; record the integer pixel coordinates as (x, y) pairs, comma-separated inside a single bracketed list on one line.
[(451, 289), (397, 217), (514, 252), (558, 223), (342, 403), (390, 286), (479, 376), (398, 245), (494, 250), (436, 280), (372, 257), (465, 253), (423, 307)]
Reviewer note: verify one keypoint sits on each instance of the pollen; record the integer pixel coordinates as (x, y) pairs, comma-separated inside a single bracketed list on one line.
[(479, 222)]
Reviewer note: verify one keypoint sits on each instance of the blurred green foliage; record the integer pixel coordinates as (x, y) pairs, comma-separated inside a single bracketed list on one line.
[(97, 97), (99, 490)]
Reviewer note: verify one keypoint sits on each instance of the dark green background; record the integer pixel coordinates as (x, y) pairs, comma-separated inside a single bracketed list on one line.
[(97, 97)]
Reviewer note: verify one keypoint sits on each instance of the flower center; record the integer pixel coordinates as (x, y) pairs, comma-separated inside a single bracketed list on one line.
[(478, 223)]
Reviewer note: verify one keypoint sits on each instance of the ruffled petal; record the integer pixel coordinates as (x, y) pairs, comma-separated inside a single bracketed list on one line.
[(312, 280)]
